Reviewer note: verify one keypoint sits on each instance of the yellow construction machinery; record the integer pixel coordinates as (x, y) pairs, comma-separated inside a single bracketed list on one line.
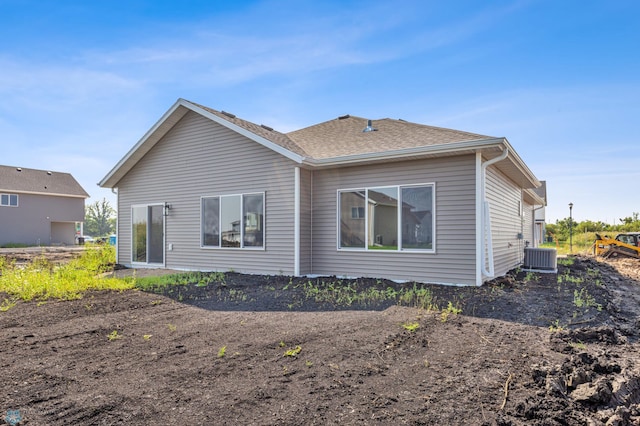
[(627, 245)]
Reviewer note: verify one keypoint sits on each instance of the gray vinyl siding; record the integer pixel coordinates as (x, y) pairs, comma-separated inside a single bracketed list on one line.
[(506, 222), (39, 219), (306, 221), (197, 158), (528, 231), (455, 194)]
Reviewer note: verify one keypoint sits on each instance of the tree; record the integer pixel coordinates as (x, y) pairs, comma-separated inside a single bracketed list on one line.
[(99, 219)]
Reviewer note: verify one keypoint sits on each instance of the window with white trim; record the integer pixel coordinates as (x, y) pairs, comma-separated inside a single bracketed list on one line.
[(10, 200), (395, 218), (233, 221)]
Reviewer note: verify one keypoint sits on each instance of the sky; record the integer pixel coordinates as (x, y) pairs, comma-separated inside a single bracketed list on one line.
[(82, 81)]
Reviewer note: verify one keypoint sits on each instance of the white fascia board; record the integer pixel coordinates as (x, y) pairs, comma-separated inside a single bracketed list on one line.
[(244, 132), (141, 143)]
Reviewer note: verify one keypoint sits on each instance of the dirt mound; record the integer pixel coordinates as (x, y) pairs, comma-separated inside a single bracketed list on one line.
[(527, 349)]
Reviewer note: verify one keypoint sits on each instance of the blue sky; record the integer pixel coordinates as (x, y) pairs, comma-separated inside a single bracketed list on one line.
[(82, 81)]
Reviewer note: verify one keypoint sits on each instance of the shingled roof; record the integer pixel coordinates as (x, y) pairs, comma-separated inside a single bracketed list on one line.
[(338, 142), (344, 136), (33, 181), (261, 130)]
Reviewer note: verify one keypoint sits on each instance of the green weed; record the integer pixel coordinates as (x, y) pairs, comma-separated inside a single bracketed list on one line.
[(222, 352), (411, 326), (114, 336), (582, 298), (7, 304), (42, 280), (566, 261), (555, 326), (293, 352), (160, 283), (419, 297), (450, 309)]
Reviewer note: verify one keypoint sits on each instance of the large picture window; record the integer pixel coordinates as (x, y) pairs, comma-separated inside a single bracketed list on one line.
[(395, 218), (235, 221)]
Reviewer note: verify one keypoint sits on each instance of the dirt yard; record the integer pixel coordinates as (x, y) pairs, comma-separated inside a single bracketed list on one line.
[(528, 349)]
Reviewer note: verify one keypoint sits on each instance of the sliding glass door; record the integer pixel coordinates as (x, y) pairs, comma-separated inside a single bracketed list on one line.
[(147, 234)]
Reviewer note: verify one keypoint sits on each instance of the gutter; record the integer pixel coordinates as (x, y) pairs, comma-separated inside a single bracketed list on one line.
[(406, 152)]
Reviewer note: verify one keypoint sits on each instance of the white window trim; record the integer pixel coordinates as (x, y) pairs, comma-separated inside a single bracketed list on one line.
[(9, 199), (242, 247), (399, 230)]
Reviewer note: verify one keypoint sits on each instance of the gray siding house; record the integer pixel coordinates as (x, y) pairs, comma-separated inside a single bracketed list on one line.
[(206, 190), (39, 207)]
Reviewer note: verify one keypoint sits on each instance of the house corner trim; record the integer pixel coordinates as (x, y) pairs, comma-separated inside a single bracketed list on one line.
[(296, 222)]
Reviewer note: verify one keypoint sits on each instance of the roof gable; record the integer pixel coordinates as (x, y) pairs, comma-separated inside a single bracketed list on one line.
[(34, 181)]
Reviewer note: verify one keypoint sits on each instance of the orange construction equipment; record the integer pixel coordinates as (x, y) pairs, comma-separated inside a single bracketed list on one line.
[(627, 245)]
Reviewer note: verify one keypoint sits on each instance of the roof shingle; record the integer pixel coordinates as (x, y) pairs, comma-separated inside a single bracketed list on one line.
[(23, 180), (344, 136)]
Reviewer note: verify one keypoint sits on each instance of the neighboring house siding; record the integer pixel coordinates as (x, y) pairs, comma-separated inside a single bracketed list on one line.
[(38, 220), (199, 157), (505, 200), (454, 259), (306, 221)]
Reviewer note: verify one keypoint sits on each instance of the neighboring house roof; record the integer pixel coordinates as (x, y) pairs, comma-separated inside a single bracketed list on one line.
[(42, 182), (340, 142)]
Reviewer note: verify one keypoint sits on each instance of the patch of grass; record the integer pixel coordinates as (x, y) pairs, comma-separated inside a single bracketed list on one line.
[(42, 280), (565, 261), (14, 245), (172, 327), (160, 283), (531, 277)]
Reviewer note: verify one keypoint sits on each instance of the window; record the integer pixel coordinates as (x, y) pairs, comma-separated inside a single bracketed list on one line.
[(9, 200), (357, 212), (395, 218), (235, 221)]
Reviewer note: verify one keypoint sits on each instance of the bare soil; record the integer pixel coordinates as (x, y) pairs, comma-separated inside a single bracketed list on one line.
[(523, 351)]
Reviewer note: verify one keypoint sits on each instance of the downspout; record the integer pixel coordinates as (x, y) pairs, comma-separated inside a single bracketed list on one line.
[(485, 233), (535, 228), (115, 191), (296, 222)]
